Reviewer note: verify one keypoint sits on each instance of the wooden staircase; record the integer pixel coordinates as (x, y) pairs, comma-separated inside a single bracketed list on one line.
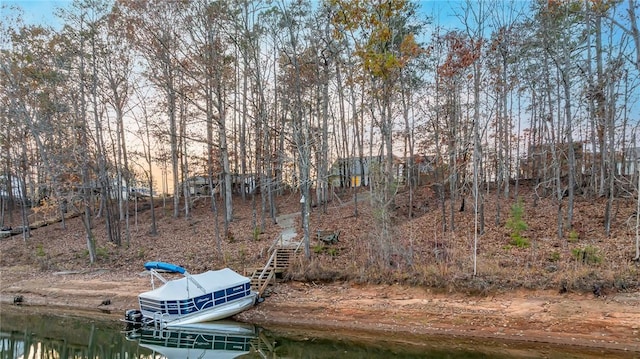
[(262, 346), (279, 260), (284, 255)]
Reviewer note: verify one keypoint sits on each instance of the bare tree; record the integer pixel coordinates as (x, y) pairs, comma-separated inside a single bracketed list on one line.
[(292, 18), (477, 14), (144, 131), (156, 37)]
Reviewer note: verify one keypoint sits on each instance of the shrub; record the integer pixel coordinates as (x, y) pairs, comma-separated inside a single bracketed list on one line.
[(256, 234), (573, 236), (587, 255), (102, 252), (517, 225), (519, 241), (319, 249), (40, 250)]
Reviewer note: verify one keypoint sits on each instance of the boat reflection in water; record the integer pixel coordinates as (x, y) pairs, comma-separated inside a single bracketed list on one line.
[(219, 339)]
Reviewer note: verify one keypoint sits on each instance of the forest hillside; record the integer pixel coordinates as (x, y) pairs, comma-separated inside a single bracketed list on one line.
[(420, 252), (441, 110)]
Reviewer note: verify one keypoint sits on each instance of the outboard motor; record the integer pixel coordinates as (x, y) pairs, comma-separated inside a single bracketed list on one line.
[(133, 318)]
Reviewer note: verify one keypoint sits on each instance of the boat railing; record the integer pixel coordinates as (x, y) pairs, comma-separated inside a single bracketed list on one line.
[(194, 281), (155, 273), (158, 320)]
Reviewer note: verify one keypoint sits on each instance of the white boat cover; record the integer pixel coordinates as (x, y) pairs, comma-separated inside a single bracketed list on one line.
[(183, 288)]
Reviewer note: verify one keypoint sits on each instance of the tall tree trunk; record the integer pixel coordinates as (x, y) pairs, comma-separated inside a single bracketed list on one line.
[(477, 159), (82, 127), (173, 137), (153, 229), (598, 94), (410, 174), (566, 82), (226, 170), (591, 107), (637, 257), (611, 160), (453, 154), (24, 198), (635, 31), (323, 176)]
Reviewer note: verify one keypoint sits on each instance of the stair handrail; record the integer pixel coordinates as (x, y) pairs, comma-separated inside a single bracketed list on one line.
[(269, 263), (264, 270), (275, 243), (264, 284), (260, 344)]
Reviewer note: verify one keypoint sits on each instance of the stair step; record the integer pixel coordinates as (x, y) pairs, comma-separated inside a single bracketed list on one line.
[(258, 273), (262, 277)]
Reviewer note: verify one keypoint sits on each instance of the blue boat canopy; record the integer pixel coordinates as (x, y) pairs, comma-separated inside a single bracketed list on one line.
[(164, 266)]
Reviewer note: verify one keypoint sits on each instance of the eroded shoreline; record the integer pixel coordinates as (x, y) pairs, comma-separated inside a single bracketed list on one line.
[(391, 312)]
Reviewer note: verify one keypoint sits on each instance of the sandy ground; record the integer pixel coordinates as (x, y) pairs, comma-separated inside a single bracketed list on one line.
[(394, 312)]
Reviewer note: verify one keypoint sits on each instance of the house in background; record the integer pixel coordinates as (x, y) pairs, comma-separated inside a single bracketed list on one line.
[(629, 163), (357, 172), (137, 189), (353, 171), (198, 185), (11, 185), (423, 168), (541, 159)]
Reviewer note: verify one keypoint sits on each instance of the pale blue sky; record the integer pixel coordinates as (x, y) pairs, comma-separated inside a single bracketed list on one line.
[(37, 12), (42, 11)]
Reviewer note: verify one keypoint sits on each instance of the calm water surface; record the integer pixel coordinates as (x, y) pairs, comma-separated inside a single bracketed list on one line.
[(28, 334)]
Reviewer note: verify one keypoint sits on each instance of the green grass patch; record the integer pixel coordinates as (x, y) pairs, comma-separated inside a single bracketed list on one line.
[(40, 250), (587, 255), (517, 225)]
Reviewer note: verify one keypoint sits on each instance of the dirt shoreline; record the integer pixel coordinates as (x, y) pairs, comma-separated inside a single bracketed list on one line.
[(397, 313)]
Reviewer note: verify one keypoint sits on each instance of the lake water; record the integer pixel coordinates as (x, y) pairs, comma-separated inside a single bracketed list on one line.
[(25, 333)]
